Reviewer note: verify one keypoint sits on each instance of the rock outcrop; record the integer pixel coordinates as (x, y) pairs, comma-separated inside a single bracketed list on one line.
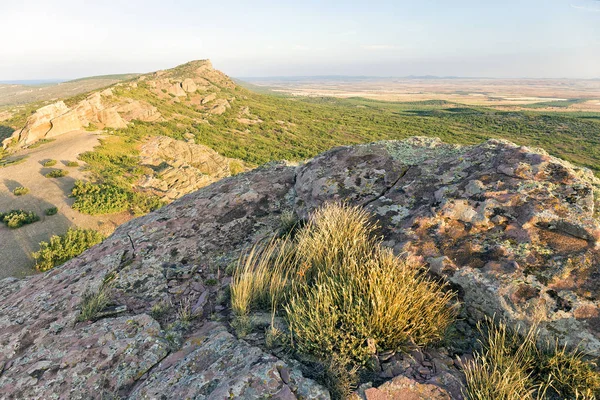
[(196, 84), (182, 167), (101, 109), (512, 228)]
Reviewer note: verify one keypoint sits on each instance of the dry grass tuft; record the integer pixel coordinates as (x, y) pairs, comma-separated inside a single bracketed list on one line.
[(260, 279), (353, 297), (513, 366)]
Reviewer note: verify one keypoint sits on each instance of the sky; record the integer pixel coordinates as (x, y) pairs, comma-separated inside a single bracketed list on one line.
[(48, 39)]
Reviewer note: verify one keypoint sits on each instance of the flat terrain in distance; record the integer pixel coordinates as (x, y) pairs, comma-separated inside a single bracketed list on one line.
[(13, 94), (542, 94)]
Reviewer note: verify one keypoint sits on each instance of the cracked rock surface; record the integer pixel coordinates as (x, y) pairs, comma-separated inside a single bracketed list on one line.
[(512, 228)]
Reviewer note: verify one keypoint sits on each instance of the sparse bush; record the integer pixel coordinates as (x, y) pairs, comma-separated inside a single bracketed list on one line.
[(20, 191), (159, 310), (49, 163), (62, 248), (57, 173), (72, 164), (17, 218), (513, 366), (51, 211)]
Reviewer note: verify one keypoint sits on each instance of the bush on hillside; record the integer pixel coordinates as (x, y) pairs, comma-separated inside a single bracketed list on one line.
[(49, 163), (51, 211), (72, 164), (20, 191), (57, 173), (17, 218), (105, 198), (62, 248)]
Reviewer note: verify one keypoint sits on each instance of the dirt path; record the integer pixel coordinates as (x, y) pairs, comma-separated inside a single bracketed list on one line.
[(16, 245)]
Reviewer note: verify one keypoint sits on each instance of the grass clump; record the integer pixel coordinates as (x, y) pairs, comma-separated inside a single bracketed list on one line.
[(93, 303), (57, 173), (343, 295), (17, 218), (514, 366), (20, 191), (72, 164), (353, 297), (62, 248), (51, 211), (259, 281), (49, 163)]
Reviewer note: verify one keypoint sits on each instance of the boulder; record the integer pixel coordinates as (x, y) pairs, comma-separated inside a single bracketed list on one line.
[(38, 124), (207, 99), (176, 90), (181, 167), (189, 85), (110, 118)]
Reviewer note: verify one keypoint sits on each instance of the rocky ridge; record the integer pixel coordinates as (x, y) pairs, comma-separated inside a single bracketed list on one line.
[(513, 229), (117, 106)]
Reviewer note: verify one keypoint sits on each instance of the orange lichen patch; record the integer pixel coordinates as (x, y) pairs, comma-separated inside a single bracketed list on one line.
[(562, 243), (586, 312), (455, 230), (429, 249)]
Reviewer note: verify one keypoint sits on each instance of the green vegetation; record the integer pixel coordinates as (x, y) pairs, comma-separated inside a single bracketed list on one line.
[(94, 302), (513, 366), (39, 143), (20, 191), (72, 164), (95, 199), (299, 128), (342, 293), (62, 248), (17, 218), (555, 103), (49, 163), (51, 211), (57, 173), (6, 162)]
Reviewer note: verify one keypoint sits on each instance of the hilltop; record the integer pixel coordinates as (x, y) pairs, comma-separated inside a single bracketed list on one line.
[(512, 230)]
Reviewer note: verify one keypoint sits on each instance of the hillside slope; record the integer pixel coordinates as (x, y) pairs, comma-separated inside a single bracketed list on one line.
[(512, 228), (168, 133)]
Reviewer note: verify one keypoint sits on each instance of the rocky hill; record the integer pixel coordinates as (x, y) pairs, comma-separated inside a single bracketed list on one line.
[(511, 228)]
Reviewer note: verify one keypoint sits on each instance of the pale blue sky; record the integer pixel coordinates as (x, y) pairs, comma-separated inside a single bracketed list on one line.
[(526, 38)]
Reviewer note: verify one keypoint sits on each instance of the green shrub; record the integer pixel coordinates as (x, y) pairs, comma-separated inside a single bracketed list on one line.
[(105, 198), (72, 164), (62, 248), (51, 211), (17, 218), (49, 163), (20, 191), (514, 366), (57, 173)]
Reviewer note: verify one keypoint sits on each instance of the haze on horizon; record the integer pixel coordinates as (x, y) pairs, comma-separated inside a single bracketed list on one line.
[(70, 39)]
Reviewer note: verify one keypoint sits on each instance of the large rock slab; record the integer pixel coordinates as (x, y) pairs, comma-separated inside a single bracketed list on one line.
[(512, 228), (215, 365)]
